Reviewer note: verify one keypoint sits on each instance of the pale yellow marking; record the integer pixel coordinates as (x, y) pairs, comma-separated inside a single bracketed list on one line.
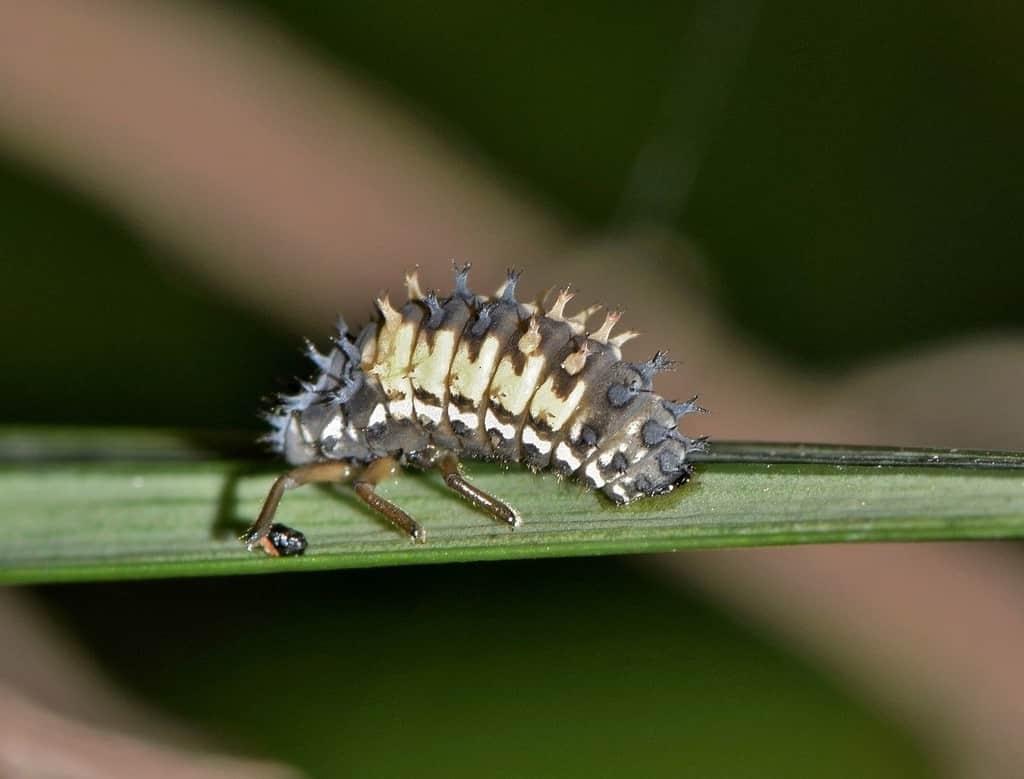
[(530, 342), (576, 361), (391, 316), (394, 346), (394, 352), (513, 391), (619, 441), (605, 331), (412, 285), (557, 310), (622, 338), (470, 378), (430, 364), (552, 410)]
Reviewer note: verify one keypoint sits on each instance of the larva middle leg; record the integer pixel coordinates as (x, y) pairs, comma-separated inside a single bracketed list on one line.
[(365, 488)]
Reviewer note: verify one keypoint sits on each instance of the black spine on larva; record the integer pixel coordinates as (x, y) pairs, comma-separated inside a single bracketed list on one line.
[(490, 377)]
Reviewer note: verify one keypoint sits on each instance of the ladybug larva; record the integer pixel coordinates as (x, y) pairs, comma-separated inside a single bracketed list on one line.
[(475, 377)]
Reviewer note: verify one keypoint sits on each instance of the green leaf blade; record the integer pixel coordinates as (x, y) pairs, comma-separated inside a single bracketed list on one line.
[(76, 517)]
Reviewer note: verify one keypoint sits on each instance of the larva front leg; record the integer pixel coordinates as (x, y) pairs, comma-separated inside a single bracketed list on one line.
[(280, 540)]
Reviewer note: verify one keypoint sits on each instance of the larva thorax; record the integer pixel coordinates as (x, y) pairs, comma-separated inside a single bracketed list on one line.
[(490, 378)]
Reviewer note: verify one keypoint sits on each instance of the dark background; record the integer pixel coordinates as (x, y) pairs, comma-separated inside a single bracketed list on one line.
[(859, 192)]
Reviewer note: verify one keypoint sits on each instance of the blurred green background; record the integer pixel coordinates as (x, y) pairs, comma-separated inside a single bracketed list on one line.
[(859, 192)]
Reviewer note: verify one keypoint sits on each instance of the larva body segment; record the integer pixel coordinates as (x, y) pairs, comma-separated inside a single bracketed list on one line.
[(478, 377)]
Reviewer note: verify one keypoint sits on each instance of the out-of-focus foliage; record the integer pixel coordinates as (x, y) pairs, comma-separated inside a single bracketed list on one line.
[(859, 192), (547, 669), (862, 175), (94, 327)]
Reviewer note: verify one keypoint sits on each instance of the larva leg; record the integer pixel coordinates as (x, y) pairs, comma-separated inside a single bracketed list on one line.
[(278, 540), (374, 474), (452, 471)]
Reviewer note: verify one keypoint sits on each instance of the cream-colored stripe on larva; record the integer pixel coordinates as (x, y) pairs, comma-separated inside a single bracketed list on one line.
[(400, 408), (394, 353), (593, 473), (431, 363), (427, 411), (605, 456), (332, 429), (469, 418), (531, 438), (470, 378), (493, 425), (552, 410), (565, 456), (513, 391), (378, 416), (620, 442)]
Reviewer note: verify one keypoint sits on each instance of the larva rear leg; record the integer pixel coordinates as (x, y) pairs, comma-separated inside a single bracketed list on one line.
[(276, 539), (448, 463), (451, 469), (365, 487)]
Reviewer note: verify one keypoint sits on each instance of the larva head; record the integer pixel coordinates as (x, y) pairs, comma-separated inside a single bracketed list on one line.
[(317, 419)]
